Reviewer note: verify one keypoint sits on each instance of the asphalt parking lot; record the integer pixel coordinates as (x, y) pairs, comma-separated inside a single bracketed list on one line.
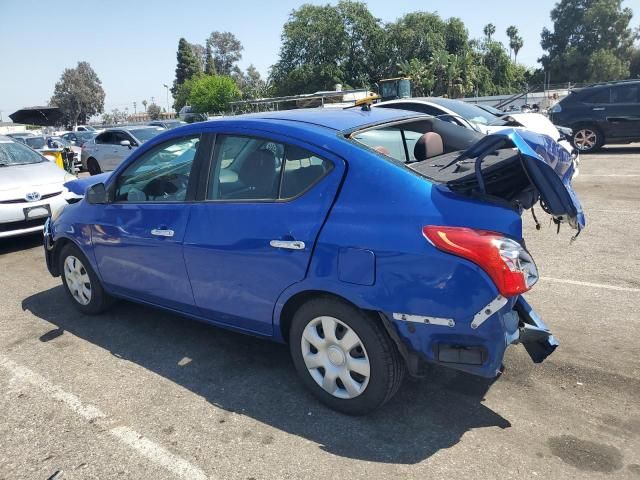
[(140, 393)]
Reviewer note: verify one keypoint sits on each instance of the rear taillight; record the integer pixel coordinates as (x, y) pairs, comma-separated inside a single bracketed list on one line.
[(507, 263)]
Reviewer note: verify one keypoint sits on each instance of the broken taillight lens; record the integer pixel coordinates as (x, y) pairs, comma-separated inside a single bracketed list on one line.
[(507, 263)]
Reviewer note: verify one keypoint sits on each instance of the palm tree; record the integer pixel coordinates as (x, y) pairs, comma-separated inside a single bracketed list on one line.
[(489, 30), (516, 44), (144, 104), (512, 33)]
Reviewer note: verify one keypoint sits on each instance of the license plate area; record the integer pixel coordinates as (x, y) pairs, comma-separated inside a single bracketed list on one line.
[(37, 211)]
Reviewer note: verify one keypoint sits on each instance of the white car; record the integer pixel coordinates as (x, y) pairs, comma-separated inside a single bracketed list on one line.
[(31, 189), (105, 152), (473, 117)]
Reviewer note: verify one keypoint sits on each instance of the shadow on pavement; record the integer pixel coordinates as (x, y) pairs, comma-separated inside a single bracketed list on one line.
[(255, 377), (617, 149), (24, 242)]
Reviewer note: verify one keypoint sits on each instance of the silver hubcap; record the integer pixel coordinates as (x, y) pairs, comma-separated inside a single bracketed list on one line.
[(585, 139), (335, 357), (77, 280)]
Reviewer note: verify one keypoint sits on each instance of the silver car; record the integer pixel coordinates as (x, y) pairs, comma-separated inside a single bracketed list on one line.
[(105, 152), (31, 189)]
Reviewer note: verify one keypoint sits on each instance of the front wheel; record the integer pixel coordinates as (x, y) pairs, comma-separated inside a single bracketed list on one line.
[(587, 139), (344, 356), (81, 283)]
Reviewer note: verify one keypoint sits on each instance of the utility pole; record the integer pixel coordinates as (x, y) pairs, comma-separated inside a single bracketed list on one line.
[(134, 108), (1, 115), (167, 88), (153, 100)]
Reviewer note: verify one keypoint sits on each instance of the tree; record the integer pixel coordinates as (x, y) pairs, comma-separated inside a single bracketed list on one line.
[(154, 111), (209, 64), (188, 65), (144, 104), (200, 53), (212, 94), (78, 94), (226, 50), (488, 30), (323, 45), (512, 34), (516, 44), (581, 30), (181, 97)]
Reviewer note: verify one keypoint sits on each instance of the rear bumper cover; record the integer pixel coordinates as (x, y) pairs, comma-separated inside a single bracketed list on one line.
[(474, 346)]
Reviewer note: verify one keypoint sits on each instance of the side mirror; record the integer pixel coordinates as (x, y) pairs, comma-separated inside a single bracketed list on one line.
[(96, 194), (125, 143)]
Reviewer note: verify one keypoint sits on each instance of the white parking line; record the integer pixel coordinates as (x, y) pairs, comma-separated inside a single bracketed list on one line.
[(589, 284), (129, 437)]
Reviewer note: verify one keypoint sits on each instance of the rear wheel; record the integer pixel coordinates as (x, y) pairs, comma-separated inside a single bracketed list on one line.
[(587, 138), (344, 356), (81, 283), (93, 166)]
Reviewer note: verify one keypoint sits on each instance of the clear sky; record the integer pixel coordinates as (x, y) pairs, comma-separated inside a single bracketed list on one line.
[(132, 44)]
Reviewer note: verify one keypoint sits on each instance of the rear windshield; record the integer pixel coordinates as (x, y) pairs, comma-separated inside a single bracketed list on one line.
[(35, 142), (144, 134), (13, 153)]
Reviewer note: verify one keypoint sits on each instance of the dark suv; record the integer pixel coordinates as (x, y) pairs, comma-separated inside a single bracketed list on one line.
[(601, 114)]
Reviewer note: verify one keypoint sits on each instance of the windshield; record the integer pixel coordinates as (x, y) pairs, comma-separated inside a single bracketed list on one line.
[(35, 142), (84, 136), (144, 134), (61, 141), (13, 153), (472, 113)]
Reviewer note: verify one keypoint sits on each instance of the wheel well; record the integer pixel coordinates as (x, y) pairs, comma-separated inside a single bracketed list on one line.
[(295, 302), (57, 248), (592, 126)]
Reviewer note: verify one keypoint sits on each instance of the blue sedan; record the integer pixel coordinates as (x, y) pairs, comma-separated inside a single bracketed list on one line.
[(373, 242)]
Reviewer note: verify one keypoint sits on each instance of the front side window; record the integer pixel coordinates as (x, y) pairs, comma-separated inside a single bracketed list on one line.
[(159, 175), (250, 168), (599, 96), (105, 138)]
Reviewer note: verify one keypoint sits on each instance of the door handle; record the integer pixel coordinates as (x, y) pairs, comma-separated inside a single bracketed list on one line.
[(162, 232), (597, 109), (288, 244)]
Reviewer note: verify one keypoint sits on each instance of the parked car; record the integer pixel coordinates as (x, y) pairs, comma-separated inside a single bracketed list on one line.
[(31, 189), (107, 150), (189, 115), (168, 124), (601, 114), (296, 226), (78, 138), (472, 116)]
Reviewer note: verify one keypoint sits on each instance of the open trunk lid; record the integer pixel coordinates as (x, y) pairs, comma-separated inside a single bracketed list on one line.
[(515, 166)]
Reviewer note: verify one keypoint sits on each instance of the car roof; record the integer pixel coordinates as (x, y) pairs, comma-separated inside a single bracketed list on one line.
[(331, 118), (128, 127)]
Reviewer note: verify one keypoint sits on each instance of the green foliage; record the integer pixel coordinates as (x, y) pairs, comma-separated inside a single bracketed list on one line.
[(488, 30), (226, 50), (212, 93), (154, 111), (78, 94), (181, 96), (188, 65), (583, 30), (209, 65)]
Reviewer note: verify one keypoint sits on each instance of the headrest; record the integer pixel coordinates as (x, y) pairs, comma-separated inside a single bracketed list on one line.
[(428, 145)]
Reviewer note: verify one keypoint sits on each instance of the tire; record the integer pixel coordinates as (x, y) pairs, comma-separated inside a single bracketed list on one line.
[(360, 352), (93, 166), (81, 283), (587, 138)]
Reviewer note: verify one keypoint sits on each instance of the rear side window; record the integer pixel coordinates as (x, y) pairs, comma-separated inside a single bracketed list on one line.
[(625, 94), (250, 168), (302, 170), (387, 141), (599, 96)]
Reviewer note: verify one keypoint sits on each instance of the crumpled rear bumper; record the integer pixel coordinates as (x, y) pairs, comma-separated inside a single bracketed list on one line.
[(471, 346)]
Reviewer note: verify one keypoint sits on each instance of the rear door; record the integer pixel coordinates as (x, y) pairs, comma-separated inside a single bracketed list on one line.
[(265, 201), (624, 112)]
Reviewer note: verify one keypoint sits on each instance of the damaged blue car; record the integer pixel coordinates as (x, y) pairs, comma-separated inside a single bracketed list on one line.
[(373, 242)]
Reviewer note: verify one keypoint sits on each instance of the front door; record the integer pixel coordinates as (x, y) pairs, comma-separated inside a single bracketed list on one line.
[(138, 236), (252, 237)]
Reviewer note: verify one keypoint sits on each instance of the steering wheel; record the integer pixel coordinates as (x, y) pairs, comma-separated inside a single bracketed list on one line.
[(167, 185)]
